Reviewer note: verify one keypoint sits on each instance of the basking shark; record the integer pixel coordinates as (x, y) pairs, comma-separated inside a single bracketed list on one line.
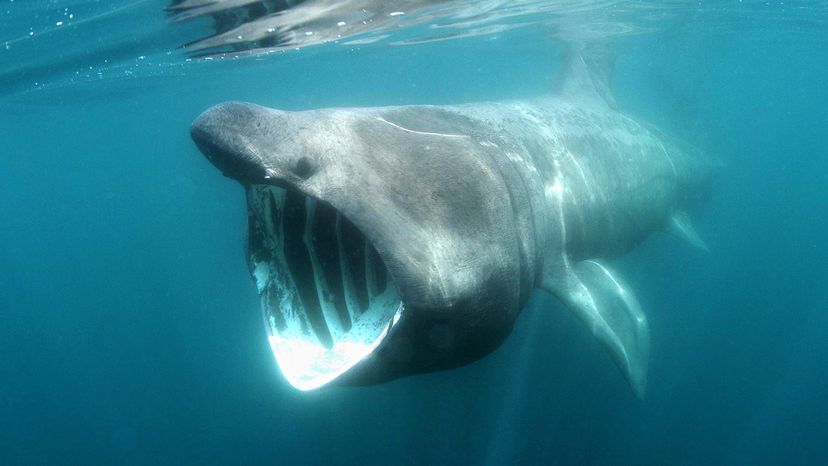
[(391, 241)]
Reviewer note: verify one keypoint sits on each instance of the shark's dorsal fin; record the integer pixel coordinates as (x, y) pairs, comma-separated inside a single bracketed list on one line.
[(600, 298), (586, 73)]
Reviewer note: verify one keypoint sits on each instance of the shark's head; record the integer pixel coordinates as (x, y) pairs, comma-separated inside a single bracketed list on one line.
[(384, 242)]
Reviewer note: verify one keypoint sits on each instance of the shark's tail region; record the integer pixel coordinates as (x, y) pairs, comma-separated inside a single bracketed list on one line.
[(595, 293)]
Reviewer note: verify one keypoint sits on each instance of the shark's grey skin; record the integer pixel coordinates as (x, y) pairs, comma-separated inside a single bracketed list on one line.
[(468, 207)]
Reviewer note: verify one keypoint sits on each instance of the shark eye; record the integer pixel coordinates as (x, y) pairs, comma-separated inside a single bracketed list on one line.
[(304, 168), (326, 294)]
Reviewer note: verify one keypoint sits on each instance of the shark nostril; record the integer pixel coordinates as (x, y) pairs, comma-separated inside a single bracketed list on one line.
[(304, 168)]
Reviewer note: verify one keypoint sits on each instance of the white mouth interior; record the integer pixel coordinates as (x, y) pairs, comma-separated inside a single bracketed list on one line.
[(327, 298)]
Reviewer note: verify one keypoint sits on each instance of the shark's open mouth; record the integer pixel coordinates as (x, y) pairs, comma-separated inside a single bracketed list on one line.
[(326, 294)]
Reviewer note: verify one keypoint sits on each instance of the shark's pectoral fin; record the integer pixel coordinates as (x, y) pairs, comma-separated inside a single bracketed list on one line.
[(681, 226), (608, 307)]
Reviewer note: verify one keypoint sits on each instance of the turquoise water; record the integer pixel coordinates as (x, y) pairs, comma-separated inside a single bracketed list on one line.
[(130, 331)]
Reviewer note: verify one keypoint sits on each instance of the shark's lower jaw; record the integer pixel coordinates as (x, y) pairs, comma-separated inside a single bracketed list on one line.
[(327, 297)]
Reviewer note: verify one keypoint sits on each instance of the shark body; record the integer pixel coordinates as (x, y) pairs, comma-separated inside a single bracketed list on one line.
[(390, 241)]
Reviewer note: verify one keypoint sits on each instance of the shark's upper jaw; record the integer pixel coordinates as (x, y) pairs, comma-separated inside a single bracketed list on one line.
[(327, 297)]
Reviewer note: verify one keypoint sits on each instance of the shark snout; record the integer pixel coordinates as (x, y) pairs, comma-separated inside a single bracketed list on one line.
[(224, 133), (254, 144)]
